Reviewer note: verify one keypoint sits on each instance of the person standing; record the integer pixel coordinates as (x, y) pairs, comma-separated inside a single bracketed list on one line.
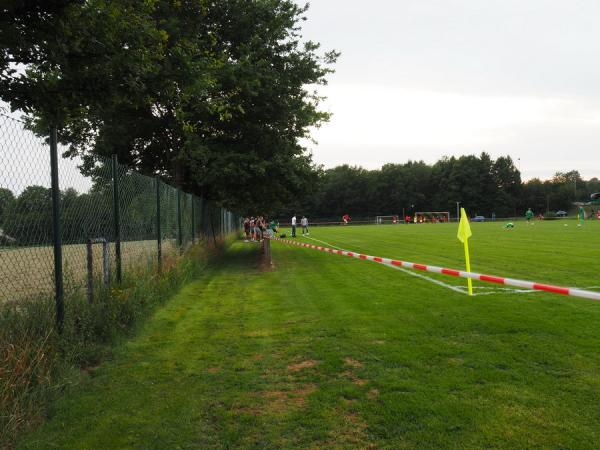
[(581, 215), (529, 216), (304, 223), (247, 229), (294, 225)]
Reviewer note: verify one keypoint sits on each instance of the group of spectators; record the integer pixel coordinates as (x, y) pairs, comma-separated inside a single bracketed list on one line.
[(425, 219), (256, 228)]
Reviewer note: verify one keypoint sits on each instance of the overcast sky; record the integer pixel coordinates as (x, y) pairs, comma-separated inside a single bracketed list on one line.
[(420, 79)]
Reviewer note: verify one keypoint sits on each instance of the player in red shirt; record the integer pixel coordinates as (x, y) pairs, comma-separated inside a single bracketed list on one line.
[(346, 219)]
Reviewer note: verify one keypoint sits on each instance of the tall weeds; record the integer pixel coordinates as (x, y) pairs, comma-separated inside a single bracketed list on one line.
[(37, 363)]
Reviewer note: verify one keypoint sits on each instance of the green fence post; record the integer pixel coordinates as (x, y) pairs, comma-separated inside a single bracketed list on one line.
[(158, 231), (56, 232), (202, 221), (193, 219), (117, 217), (179, 229)]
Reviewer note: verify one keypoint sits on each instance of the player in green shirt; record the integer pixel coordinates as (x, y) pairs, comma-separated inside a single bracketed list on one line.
[(529, 216), (581, 215)]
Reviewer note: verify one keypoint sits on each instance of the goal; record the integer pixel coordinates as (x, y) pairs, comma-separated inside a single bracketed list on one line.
[(388, 219), (432, 217)]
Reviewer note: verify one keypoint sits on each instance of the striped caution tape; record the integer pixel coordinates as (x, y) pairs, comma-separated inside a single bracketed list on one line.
[(574, 292)]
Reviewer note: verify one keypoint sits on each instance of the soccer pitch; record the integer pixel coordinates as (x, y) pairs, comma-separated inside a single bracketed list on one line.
[(552, 252), (326, 351)]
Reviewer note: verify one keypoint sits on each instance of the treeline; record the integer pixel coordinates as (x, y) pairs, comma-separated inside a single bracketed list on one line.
[(481, 184), (26, 218)]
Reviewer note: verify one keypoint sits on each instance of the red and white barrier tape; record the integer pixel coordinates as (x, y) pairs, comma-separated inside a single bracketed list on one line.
[(454, 273)]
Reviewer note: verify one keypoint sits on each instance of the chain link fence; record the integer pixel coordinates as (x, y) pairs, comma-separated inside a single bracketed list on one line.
[(111, 219)]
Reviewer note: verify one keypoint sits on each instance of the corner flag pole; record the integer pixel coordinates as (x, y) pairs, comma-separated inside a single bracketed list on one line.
[(464, 233)]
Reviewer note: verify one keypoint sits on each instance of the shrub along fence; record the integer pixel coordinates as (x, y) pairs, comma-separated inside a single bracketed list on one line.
[(67, 225)]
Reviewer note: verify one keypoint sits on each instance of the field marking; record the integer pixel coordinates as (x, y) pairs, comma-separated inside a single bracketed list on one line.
[(410, 272), (460, 289), (323, 242)]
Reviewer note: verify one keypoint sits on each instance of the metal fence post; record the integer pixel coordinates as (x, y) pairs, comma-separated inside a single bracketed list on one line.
[(105, 265), (56, 232), (193, 219), (179, 230), (201, 224), (90, 270), (158, 230), (222, 218), (117, 217), (90, 266)]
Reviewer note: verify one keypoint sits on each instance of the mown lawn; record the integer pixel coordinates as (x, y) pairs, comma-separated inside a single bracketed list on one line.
[(333, 352)]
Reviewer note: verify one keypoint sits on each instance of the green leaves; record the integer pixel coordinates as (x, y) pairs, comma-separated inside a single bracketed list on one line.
[(208, 94)]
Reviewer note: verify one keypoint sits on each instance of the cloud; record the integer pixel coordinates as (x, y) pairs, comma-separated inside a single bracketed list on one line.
[(375, 124)]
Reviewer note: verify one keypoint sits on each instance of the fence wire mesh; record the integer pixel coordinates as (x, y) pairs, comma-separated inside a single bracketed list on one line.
[(87, 214)]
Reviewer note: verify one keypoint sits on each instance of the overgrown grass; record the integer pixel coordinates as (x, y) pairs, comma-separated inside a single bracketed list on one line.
[(333, 352), (37, 363)]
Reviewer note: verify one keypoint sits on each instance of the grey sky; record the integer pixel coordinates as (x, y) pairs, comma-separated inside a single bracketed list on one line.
[(426, 78)]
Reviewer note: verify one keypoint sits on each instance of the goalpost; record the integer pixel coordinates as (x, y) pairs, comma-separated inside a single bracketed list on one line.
[(432, 217), (388, 219)]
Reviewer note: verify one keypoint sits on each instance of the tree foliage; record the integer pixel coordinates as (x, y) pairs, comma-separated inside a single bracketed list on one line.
[(212, 95), (482, 185)]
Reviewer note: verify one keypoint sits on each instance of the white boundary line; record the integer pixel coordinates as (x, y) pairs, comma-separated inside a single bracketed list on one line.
[(490, 290), (523, 284), (402, 269)]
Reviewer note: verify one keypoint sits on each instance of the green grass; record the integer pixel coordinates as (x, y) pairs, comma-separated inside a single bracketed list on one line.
[(333, 352)]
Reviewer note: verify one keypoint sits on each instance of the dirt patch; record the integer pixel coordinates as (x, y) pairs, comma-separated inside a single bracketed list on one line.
[(354, 378), (280, 402), (257, 357), (213, 369), (352, 362), (302, 365), (373, 393), (378, 342), (350, 433)]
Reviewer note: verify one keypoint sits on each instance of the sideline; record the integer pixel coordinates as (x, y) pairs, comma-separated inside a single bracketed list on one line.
[(524, 286), (402, 269)]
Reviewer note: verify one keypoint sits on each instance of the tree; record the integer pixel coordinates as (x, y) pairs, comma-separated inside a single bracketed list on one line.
[(211, 95), (30, 219), (7, 201), (507, 180), (24, 25)]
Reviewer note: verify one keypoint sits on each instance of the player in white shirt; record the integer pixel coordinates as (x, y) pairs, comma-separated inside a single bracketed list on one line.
[(294, 225), (304, 223)]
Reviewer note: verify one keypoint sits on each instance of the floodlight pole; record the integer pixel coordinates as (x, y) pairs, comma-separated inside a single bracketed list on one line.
[(457, 212)]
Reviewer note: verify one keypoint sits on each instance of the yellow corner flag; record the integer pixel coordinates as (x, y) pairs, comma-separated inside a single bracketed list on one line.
[(464, 233)]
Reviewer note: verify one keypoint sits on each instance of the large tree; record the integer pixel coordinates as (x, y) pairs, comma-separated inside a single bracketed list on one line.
[(212, 95)]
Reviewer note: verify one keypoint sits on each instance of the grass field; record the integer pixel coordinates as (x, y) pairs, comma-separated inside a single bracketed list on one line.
[(556, 252), (332, 352), (29, 271)]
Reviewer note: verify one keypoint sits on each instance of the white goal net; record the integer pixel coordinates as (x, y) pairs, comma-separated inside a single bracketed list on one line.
[(388, 219)]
